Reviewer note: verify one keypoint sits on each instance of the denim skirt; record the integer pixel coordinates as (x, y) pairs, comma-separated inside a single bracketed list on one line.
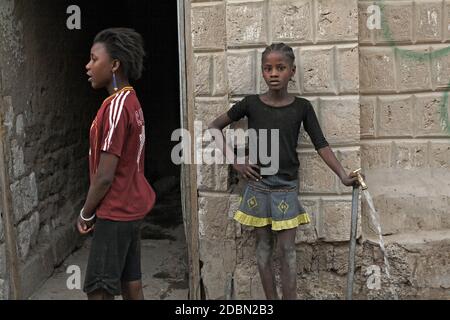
[(273, 200)]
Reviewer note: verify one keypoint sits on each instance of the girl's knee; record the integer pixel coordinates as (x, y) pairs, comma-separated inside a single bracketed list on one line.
[(264, 249), (288, 250)]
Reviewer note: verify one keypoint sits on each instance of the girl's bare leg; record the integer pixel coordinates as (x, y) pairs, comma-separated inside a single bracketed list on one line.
[(286, 240), (264, 249)]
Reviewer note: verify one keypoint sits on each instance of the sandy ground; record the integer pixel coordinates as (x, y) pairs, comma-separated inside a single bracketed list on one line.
[(163, 270)]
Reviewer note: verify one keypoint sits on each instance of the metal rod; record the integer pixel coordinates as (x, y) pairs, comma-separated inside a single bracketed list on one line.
[(351, 253), (229, 287)]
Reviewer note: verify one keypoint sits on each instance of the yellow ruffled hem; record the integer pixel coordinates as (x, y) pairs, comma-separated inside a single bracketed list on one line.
[(252, 221)]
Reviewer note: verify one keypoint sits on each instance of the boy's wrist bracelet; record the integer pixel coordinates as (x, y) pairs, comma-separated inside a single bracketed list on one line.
[(83, 218)]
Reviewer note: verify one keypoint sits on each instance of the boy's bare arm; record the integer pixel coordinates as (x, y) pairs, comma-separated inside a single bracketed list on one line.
[(330, 159), (98, 188)]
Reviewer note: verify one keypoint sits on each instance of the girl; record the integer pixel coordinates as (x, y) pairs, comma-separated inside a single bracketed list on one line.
[(119, 196), (270, 202)]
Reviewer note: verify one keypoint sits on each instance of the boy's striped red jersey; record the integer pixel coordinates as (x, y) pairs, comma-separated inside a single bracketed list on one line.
[(119, 129)]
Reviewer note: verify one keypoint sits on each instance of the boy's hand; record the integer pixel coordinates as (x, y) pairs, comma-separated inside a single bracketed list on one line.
[(248, 171), (84, 227), (350, 180)]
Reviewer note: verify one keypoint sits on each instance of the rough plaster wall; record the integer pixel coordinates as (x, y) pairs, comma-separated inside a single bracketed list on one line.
[(47, 118), (228, 39), (404, 143)]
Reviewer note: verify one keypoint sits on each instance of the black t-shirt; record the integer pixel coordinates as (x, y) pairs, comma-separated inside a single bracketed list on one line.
[(287, 119)]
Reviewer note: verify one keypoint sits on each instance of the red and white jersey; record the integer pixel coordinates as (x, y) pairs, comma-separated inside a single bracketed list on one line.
[(119, 129)]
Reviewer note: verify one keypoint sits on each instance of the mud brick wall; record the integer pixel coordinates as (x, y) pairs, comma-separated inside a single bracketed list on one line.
[(228, 39), (46, 118)]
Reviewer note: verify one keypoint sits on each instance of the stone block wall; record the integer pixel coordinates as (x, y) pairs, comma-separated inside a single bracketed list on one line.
[(46, 132), (404, 123), (380, 96), (405, 143), (228, 39)]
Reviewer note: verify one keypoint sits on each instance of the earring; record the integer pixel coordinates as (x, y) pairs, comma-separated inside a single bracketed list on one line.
[(115, 82)]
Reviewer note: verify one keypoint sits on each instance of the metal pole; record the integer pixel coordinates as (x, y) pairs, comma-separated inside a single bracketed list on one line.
[(229, 287), (351, 254)]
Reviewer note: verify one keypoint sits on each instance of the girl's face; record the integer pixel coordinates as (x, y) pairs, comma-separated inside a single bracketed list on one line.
[(277, 70), (100, 67)]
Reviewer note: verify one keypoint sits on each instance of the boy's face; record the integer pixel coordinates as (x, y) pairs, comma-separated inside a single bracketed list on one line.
[(277, 71), (100, 66)]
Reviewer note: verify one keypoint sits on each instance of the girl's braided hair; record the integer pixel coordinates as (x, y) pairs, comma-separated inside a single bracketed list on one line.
[(280, 47)]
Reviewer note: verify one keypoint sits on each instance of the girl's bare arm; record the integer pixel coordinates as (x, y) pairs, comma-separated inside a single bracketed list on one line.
[(248, 171), (330, 159)]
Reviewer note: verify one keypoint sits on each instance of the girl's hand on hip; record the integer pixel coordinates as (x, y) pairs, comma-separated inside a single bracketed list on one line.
[(248, 171)]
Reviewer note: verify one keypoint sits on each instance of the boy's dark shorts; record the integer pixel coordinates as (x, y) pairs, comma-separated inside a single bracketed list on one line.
[(115, 256)]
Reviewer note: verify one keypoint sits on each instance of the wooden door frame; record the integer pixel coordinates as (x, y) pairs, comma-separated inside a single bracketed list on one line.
[(188, 171)]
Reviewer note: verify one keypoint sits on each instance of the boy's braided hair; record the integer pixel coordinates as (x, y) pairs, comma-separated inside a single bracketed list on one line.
[(280, 47), (127, 46)]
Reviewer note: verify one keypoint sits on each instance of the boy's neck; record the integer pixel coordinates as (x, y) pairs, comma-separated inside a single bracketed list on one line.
[(120, 85)]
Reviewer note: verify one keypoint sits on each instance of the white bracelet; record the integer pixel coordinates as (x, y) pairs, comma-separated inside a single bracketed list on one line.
[(83, 218)]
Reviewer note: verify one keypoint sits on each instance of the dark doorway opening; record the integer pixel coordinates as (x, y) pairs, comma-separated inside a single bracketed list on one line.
[(158, 90), (159, 93)]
